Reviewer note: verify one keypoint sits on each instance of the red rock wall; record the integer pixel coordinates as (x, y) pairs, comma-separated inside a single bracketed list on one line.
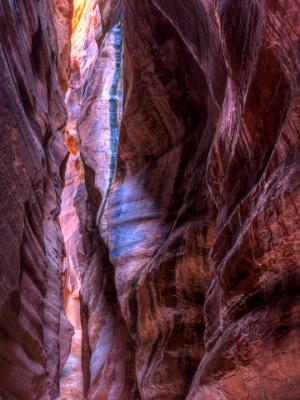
[(34, 333), (204, 228), (191, 289), (252, 307), (161, 218), (180, 208)]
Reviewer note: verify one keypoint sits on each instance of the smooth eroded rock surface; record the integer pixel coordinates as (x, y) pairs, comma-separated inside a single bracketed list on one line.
[(198, 209), (34, 333), (180, 208)]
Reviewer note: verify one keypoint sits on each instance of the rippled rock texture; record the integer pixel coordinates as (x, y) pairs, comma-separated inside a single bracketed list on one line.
[(204, 225), (94, 102), (34, 333), (180, 212), (191, 180), (252, 308)]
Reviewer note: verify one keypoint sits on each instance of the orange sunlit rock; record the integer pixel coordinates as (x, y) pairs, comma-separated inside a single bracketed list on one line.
[(78, 10)]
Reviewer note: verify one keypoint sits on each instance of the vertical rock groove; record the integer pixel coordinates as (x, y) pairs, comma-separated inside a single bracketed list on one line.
[(115, 103), (94, 102)]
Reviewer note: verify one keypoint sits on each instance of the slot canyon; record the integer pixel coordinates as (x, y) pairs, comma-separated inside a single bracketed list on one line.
[(149, 200)]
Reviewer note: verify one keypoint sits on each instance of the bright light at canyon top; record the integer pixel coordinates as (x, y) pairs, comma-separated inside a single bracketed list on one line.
[(79, 6), (86, 19)]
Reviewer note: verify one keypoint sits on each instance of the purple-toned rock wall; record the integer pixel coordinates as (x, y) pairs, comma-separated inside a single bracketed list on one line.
[(180, 203), (34, 332)]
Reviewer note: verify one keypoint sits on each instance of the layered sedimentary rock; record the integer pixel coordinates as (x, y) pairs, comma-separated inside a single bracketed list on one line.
[(34, 332), (252, 308), (63, 13), (94, 101), (192, 187), (179, 216), (161, 220), (210, 122)]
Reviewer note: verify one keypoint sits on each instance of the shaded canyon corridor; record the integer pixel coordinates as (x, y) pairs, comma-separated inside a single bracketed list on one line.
[(149, 199)]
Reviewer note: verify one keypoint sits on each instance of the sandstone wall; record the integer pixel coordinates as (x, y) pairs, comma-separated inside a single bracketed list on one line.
[(180, 205), (200, 218), (94, 101), (33, 327)]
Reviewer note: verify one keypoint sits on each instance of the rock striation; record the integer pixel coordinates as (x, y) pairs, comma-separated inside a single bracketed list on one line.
[(252, 306), (34, 332), (174, 246), (204, 224), (94, 102), (192, 178)]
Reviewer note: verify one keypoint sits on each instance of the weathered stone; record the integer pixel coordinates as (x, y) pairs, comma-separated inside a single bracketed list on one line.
[(33, 330), (180, 220)]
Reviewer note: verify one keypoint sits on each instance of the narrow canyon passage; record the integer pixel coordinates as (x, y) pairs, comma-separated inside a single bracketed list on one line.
[(149, 200), (94, 83), (71, 377), (71, 381)]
